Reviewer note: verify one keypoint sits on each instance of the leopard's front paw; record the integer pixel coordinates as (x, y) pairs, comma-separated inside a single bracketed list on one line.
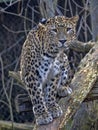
[(64, 91), (55, 110), (44, 119)]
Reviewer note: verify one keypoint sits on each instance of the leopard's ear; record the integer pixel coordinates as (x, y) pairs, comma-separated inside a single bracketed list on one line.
[(43, 21), (75, 18), (41, 26)]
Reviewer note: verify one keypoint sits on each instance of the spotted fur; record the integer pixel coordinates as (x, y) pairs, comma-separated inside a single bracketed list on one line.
[(44, 65)]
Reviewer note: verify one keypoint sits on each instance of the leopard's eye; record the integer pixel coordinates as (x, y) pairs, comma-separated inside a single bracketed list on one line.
[(54, 30), (70, 31)]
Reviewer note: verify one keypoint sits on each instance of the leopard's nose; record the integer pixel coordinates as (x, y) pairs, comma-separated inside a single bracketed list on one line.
[(62, 41)]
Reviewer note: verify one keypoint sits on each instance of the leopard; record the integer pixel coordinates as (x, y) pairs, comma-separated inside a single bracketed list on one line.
[(44, 65)]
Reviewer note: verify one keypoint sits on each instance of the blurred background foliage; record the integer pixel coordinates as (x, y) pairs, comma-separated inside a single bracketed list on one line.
[(17, 18)]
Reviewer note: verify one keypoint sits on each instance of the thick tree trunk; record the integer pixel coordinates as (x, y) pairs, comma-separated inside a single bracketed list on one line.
[(82, 83)]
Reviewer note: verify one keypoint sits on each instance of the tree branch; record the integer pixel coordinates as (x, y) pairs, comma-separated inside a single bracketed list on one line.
[(17, 126), (82, 83)]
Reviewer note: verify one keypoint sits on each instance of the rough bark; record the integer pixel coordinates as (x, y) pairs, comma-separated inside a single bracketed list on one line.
[(82, 83), (86, 118)]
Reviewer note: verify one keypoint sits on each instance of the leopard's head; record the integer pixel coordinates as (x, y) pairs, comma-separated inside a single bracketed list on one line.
[(58, 33)]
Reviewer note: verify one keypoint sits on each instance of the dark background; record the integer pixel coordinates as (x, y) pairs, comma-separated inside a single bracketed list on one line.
[(17, 18)]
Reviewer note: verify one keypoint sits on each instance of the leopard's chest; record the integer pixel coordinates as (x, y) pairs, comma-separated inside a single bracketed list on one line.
[(44, 67), (49, 68), (52, 68)]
